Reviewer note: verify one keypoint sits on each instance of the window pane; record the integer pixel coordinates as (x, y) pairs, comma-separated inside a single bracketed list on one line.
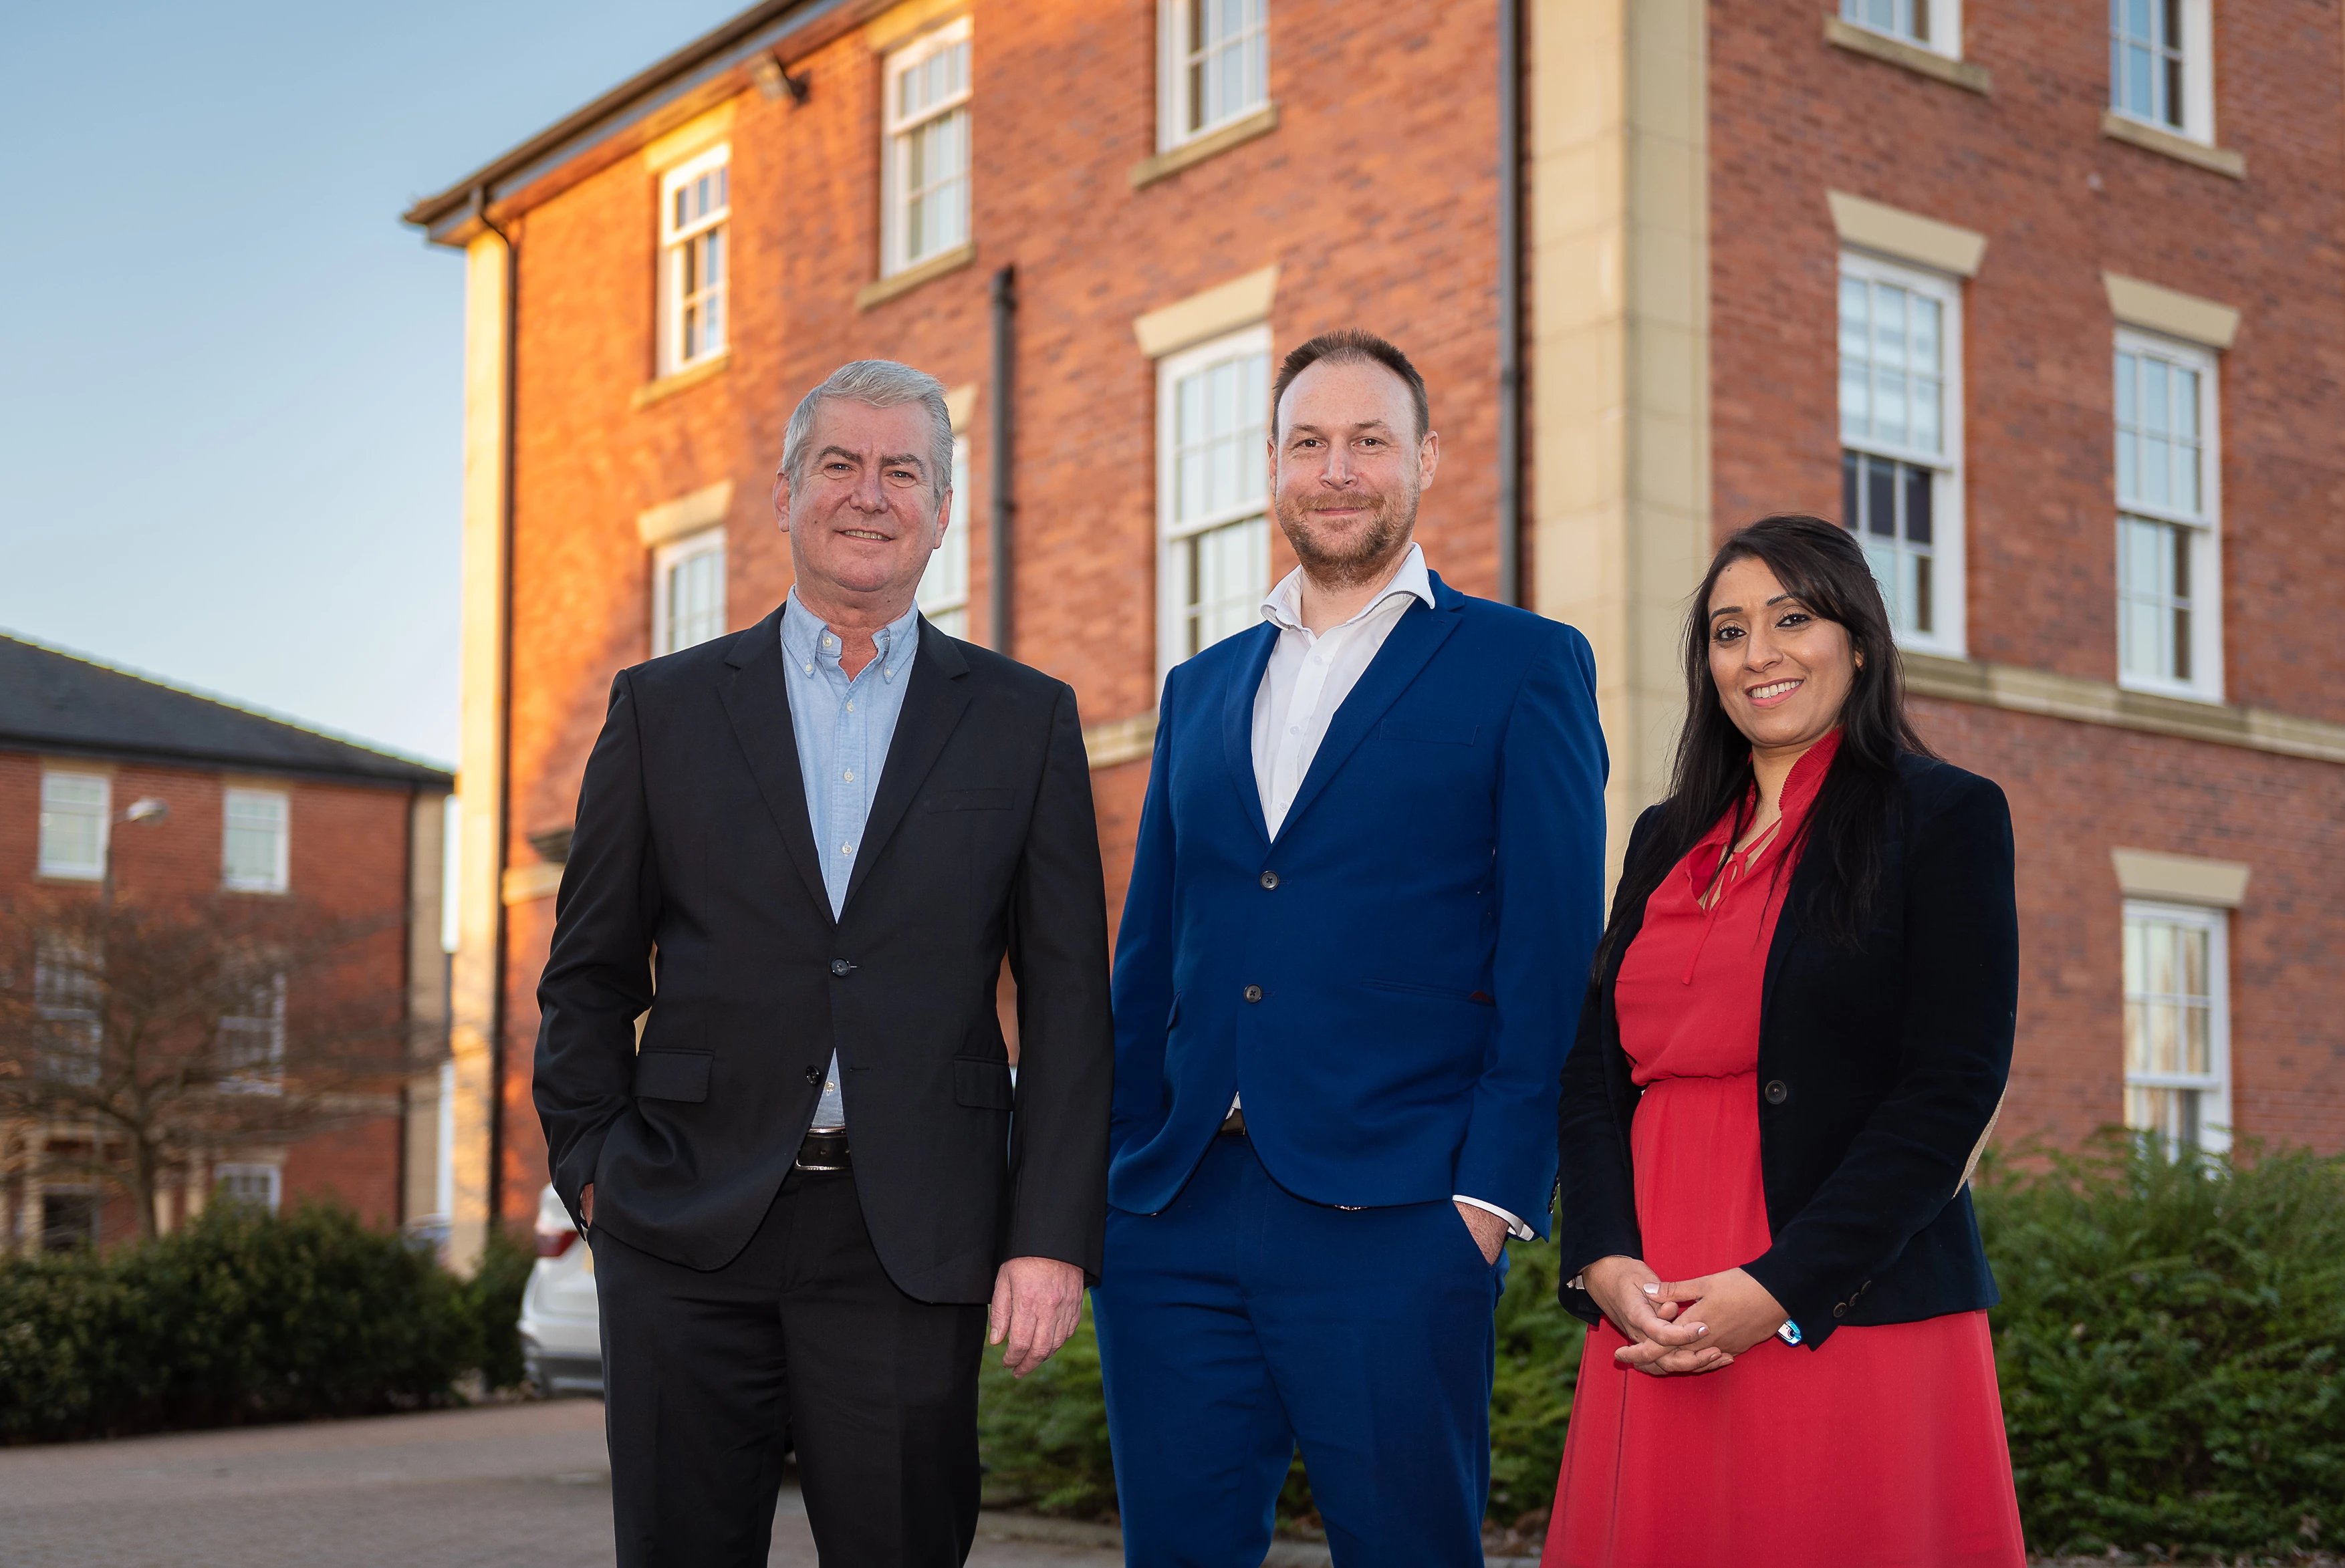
[(1229, 572), (252, 848), (73, 808)]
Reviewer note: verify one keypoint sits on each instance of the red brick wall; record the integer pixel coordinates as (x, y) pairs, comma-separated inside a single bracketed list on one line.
[(1792, 117), (346, 858), (1376, 195)]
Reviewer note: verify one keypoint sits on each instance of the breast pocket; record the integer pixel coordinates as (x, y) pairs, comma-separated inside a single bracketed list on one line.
[(969, 800), (1429, 732)]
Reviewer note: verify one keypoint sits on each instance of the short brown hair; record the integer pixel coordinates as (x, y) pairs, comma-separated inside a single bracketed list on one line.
[(1352, 345)]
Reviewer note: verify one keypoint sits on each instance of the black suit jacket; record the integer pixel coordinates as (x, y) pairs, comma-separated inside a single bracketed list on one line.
[(694, 857), (1880, 1070)]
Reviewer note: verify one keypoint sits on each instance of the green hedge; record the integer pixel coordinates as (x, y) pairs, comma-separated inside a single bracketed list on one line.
[(2169, 1344), (238, 1317)]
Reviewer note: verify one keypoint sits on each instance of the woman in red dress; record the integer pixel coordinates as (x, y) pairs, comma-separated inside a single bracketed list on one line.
[(1793, 1050)]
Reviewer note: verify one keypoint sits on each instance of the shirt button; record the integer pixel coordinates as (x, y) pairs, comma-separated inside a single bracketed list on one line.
[(849, 775), (846, 849), (1270, 879), (850, 706), (842, 967), (1253, 993), (1777, 1091)]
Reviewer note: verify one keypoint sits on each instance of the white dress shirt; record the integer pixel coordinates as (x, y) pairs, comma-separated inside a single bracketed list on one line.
[(1309, 675)]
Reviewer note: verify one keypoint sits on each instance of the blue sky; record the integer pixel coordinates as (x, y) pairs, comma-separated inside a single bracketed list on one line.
[(230, 393)]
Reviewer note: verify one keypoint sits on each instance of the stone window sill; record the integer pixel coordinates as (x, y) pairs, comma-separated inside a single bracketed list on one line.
[(1891, 50), (2137, 133), (651, 392), (1212, 143), (882, 289)]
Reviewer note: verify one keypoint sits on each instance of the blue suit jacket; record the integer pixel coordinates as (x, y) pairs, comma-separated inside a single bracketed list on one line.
[(1419, 931)]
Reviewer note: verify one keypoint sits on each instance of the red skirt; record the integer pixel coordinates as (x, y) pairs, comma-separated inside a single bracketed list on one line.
[(1885, 1448)]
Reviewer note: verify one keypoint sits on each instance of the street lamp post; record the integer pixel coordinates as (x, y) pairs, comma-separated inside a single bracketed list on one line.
[(146, 808)]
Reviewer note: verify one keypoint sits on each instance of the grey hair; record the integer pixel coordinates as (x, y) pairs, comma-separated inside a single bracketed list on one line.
[(879, 384)]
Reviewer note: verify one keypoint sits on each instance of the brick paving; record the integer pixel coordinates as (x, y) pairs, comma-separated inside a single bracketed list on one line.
[(511, 1486)]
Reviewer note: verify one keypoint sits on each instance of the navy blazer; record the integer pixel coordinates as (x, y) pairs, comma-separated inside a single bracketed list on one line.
[(1880, 1069), (1392, 981)]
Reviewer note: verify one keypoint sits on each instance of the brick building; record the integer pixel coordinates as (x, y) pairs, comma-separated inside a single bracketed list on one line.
[(1666, 266), (114, 787)]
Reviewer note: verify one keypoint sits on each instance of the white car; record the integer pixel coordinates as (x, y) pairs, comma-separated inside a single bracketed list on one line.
[(560, 1323)]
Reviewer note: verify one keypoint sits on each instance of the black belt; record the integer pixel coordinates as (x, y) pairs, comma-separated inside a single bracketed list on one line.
[(1234, 1124), (824, 1151)]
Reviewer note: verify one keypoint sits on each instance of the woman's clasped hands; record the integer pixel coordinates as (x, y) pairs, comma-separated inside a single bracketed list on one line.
[(1696, 1326)]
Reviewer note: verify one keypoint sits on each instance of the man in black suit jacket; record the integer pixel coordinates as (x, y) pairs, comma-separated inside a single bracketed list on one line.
[(804, 851)]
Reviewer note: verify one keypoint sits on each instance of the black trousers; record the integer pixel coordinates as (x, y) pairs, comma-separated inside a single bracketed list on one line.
[(802, 1337)]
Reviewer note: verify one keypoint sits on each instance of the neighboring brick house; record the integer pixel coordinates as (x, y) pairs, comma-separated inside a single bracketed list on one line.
[(1098, 225), (115, 785)]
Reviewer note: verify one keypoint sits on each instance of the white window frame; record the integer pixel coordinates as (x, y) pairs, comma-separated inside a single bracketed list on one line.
[(271, 1028), (944, 585), (70, 1003), (1171, 536), (1933, 24), (93, 870), (1175, 22), (2197, 120), (2206, 678), (272, 1178), (2214, 1087), (275, 878), (675, 240), (1950, 596), (895, 144), (665, 561)]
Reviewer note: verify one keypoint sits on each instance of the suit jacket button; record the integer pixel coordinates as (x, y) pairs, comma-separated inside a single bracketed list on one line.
[(1777, 1091), (1269, 879), (814, 1075), (1840, 1310), (841, 967), (1253, 993)]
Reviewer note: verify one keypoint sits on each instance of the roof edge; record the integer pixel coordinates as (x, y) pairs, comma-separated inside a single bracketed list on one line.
[(417, 777), (406, 759), (763, 25)]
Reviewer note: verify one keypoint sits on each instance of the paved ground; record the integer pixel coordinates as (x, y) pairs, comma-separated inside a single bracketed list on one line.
[(509, 1486)]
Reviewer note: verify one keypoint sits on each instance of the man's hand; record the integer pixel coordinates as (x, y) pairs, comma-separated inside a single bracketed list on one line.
[(1660, 1342), (1738, 1310), (586, 1203), (1489, 1230), (1036, 1304)]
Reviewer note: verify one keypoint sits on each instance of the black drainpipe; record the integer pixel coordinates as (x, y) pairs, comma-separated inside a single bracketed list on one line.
[(997, 406), (504, 711), (1510, 302)]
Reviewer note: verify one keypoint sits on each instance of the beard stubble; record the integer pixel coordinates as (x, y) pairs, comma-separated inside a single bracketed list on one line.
[(1366, 557)]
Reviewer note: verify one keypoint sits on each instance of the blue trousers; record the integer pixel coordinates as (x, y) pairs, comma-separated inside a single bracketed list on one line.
[(1243, 1322)]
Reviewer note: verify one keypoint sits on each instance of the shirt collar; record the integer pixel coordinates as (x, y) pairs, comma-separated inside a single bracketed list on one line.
[(807, 642), (1410, 578)]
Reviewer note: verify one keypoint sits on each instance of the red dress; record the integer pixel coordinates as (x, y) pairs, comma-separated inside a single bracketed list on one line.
[(1884, 1447)]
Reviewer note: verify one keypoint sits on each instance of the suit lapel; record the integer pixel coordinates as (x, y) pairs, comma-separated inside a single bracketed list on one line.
[(933, 705), (757, 699), (1415, 638), (1237, 722)]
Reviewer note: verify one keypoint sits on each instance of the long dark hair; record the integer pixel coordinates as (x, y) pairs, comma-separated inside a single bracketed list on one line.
[(1822, 566)]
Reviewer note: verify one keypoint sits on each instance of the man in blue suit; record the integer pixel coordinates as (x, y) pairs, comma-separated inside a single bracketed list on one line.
[(1369, 878)]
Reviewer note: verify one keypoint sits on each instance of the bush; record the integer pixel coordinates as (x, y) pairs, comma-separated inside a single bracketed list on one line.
[(2169, 1345), (492, 1300), (238, 1317)]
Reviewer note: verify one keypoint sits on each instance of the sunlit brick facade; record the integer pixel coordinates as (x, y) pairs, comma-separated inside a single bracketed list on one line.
[(1178, 201)]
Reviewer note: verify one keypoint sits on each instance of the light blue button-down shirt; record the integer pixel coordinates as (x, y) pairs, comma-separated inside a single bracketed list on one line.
[(843, 729)]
